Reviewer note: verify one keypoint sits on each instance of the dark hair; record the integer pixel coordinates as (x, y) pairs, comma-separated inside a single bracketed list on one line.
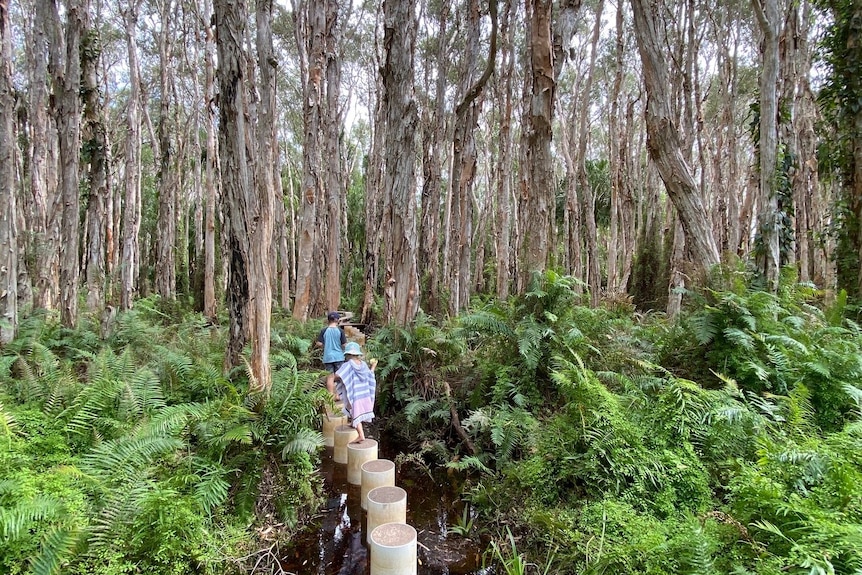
[(333, 316)]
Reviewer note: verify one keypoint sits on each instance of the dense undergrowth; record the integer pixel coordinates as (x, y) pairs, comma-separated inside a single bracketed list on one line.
[(607, 441), (134, 453), (595, 440)]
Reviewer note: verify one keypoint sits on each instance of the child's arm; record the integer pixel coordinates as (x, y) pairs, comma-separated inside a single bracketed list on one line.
[(372, 363)]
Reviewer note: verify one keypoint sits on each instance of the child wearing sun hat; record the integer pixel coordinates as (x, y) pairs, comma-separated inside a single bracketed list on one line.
[(357, 386)]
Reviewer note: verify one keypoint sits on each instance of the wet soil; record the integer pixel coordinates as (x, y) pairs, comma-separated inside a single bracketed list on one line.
[(335, 542)]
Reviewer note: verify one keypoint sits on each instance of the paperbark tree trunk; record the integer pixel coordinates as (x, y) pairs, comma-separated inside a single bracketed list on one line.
[(310, 19), (66, 77), (8, 207), (333, 125), (130, 265), (663, 141), (96, 146), (231, 20), (769, 20), (260, 217), (464, 159), (211, 170), (41, 213), (433, 135), (399, 182), (166, 238), (537, 203), (502, 233)]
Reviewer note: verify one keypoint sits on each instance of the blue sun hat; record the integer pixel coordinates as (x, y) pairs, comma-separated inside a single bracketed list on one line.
[(352, 348)]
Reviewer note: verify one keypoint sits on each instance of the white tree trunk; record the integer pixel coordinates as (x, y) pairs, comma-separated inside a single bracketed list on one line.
[(8, 208)]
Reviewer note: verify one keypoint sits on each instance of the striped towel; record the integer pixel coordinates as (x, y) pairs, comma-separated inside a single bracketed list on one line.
[(357, 387)]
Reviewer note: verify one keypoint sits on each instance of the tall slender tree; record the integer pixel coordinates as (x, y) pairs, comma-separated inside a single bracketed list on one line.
[(131, 211), (166, 238), (769, 19), (399, 183), (464, 157), (309, 22), (96, 149), (664, 140), (8, 207), (66, 77), (536, 210)]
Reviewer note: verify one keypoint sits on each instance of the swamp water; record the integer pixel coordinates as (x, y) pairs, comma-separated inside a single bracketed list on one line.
[(334, 543)]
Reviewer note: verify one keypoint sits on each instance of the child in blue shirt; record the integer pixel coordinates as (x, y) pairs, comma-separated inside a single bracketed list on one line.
[(332, 340)]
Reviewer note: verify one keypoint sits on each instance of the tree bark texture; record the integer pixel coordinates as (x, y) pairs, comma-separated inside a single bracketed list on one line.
[(504, 199), (465, 156), (663, 141), (42, 211), (769, 20), (333, 125), (230, 20), (96, 148), (8, 207), (399, 182), (310, 21), (166, 238), (260, 218), (536, 210), (132, 180), (66, 76), (433, 134)]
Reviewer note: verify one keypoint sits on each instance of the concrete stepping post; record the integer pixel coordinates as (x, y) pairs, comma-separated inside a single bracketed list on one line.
[(357, 454), (376, 473), (393, 549), (330, 422), (386, 504), (344, 434)]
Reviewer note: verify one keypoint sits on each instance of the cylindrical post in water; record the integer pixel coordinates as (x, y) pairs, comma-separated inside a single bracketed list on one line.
[(330, 422), (386, 505), (393, 549), (376, 473), (357, 454), (344, 434)]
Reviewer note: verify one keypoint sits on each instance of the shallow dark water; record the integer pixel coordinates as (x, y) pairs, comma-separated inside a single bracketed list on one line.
[(334, 543)]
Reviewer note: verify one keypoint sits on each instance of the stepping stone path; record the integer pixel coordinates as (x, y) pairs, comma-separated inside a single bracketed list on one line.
[(391, 542)]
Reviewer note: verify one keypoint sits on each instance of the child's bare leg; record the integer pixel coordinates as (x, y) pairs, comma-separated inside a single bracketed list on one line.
[(360, 432), (330, 386)]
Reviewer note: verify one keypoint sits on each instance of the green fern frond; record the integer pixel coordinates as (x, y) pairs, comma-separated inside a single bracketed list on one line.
[(739, 338), (705, 328), (486, 323), (212, 490), (18, 519), (788, 342), (127, 456), (304, 440), (530, 335), (120, 509), (241, 434), (416, 406), (469, 463), (58, 547)]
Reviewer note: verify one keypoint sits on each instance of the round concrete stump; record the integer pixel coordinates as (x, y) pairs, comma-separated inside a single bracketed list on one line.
[(330, 422), (386, 504), (376, 473), (344, 434), (357, 454), (393, 549)]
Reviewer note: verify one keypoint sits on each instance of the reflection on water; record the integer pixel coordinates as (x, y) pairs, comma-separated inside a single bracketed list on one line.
[(334, 544)]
